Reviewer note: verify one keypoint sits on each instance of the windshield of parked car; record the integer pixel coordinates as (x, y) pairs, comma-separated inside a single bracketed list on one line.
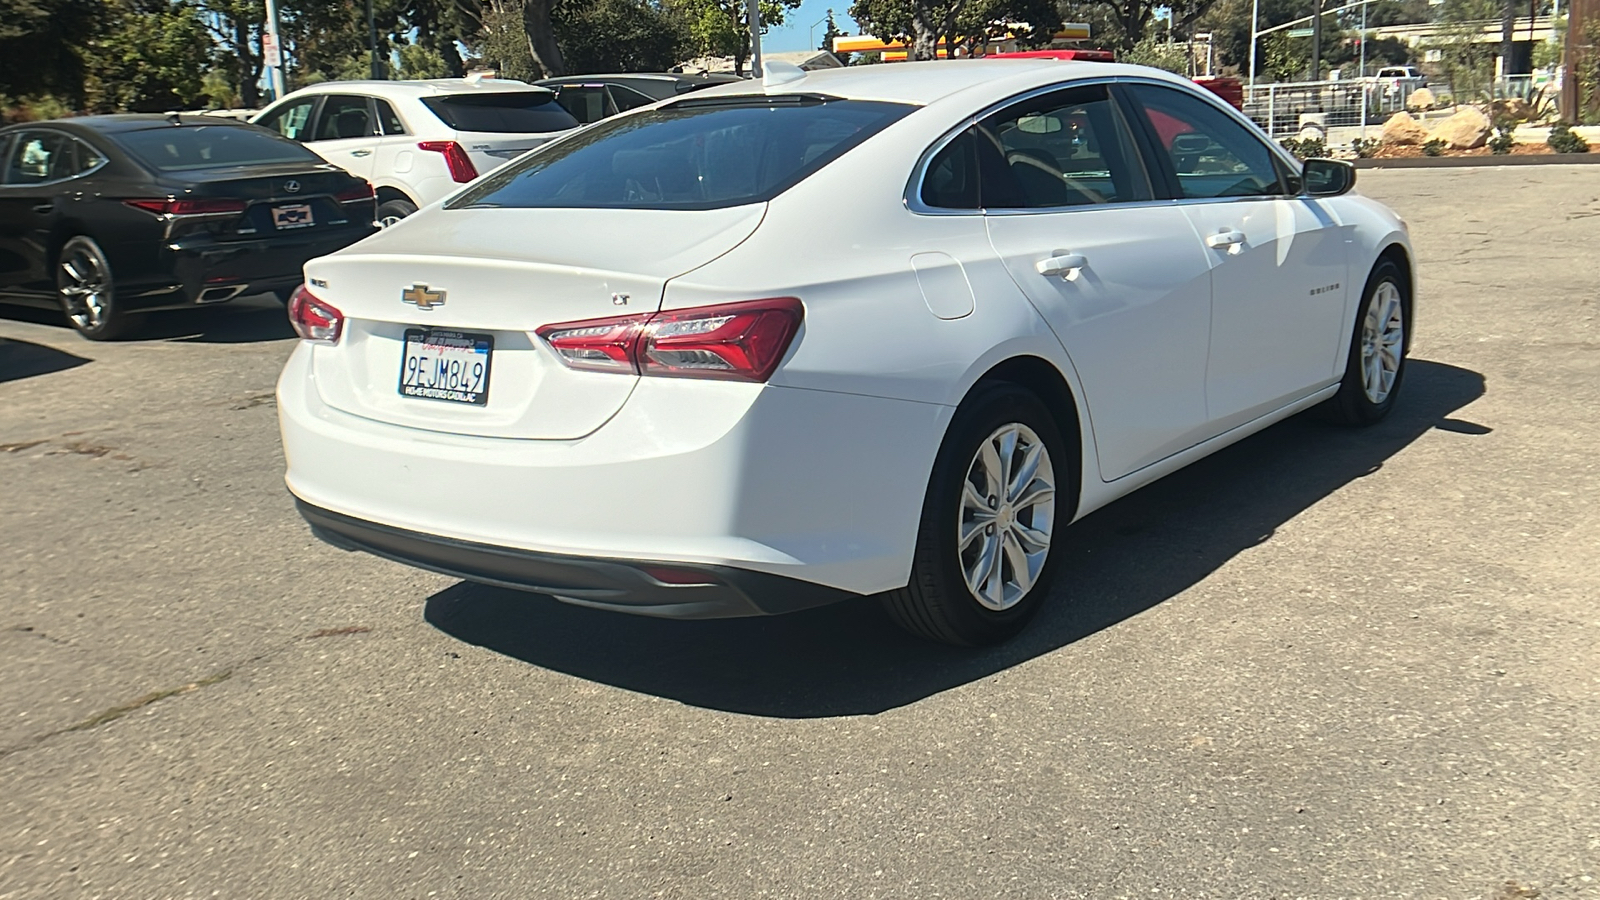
[(181, 148), (700, 153), (502, 112)]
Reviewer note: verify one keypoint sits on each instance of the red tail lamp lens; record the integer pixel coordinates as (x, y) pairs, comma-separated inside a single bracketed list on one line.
[(736, 341), (730, 341), (169, 207), (314, 319), (362, 191), (460, 165)]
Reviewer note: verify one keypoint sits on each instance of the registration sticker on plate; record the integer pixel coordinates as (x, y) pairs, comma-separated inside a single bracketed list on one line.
[(446, 365), (296, 216)]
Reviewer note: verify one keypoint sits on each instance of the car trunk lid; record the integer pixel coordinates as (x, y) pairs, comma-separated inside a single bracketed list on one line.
[(490, 278)]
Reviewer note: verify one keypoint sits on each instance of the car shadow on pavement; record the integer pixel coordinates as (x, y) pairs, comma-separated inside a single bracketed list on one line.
[(246, 320), (849, 659), (25, 359)]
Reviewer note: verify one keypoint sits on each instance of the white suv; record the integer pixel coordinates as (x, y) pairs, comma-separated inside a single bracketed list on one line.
[(418, 141)]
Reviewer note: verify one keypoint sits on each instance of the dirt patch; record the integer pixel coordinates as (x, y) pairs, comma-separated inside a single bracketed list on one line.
[(1402, 151)]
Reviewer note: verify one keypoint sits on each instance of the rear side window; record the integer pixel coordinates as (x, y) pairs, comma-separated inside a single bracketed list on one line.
[(387, 119), (39, 156), (695, 154), (588, 103), (1066, 148), (345, 117), (502, 112), (292, 121), (188, 147)]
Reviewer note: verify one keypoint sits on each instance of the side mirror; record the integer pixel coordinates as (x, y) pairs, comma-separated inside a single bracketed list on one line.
[(1328, 177)]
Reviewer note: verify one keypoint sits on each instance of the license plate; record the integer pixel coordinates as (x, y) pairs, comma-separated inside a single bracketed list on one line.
[(296, 216), (446, 365)]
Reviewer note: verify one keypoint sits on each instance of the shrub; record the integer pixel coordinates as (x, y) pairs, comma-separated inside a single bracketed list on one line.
[(1433, 147), (1502, 141), (1365, 149), (1307, 148), (1562, 140)]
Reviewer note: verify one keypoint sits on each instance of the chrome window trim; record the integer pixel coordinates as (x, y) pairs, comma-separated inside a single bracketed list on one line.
[(913, 193), (69, 136)]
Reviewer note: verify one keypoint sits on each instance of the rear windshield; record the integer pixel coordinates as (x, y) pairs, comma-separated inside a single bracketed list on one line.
[(705, 153), (181, 148), (502, 112)]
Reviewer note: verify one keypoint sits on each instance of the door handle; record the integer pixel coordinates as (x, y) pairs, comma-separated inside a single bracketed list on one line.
[(43, 207), (1065, 265), (1230, 241), (360, 152)]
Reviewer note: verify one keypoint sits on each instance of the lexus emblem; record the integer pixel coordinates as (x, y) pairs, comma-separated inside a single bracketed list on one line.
[(292, 186), (421, 297)]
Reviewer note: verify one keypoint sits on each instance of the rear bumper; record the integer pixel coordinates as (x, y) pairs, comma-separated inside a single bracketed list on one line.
[(205, 271), (615, 584), (810, 486)]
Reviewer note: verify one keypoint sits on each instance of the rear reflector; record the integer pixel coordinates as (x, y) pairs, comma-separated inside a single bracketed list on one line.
[(730, 341), (362, 191), (314, 319), (460, 165)]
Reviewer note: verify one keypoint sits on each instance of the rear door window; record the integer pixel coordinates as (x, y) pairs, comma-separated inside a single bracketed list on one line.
[(1065, 148), (695, 154), (588, 103), (38, 157), (502, 112), (345, 117)]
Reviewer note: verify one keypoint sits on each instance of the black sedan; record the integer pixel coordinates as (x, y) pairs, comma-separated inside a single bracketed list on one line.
[(110, 216), (591, 98)]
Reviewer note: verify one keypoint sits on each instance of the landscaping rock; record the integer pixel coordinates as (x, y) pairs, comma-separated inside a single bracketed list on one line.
[(1465, 130), (1421, 98), (1402, 129)]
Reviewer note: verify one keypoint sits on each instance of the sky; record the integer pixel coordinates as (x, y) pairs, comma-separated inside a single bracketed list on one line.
[(797, 33)]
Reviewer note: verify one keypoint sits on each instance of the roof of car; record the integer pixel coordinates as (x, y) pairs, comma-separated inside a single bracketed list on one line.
[(124, 122), (923, 83), (431, 86), (692, 78)]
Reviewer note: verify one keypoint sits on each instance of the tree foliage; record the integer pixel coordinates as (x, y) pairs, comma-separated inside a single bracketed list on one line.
[(152, 56), (39, 42), (925, 24)]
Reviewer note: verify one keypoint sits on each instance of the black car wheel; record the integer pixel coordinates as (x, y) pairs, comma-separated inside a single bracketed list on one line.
[(394, 210), (1375, 367), (983, 559), (84, 285)]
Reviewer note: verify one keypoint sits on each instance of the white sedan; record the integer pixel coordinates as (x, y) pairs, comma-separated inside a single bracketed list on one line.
[(880, 331)]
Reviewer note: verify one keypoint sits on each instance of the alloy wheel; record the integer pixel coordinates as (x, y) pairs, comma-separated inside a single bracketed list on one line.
[(85, 288), (1383, 332), (1007, 516)]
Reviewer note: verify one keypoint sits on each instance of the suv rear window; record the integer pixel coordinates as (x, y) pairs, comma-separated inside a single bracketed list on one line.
[(502, 112), (708, 153), (180, 148)]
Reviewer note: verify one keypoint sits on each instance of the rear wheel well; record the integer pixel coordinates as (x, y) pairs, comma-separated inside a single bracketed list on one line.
[(385, 194), (1045, 381)]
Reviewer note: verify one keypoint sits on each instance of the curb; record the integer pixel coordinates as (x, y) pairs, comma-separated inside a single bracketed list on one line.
[(1464, 162)]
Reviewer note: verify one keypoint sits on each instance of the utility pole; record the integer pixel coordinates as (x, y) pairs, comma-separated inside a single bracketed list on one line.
[(753, 10), (1316, 40), (372, 43), (272, 50), (1255, 38)]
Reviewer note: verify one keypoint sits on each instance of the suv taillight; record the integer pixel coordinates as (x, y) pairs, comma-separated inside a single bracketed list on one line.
[(461, 167), (314, 319), (729, 341)]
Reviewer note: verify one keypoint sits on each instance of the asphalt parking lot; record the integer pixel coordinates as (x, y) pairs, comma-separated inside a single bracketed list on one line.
[(1323, 663)]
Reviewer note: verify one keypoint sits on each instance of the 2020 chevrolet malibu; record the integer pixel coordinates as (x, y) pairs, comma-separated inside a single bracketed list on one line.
[(880, 331)]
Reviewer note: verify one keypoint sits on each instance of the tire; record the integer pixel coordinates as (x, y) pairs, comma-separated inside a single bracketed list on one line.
[(85, 290), (1376, 366), (392, 211), (938, 604)]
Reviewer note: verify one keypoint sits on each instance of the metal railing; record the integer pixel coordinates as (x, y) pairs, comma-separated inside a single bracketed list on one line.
[(1283, 109)]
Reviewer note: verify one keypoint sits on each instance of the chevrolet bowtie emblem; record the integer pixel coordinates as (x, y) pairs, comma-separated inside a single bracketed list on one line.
[(423, 298)]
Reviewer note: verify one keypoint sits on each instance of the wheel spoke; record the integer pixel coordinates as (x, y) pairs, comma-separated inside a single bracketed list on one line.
[(1036, 493), (1025, 473), (1007, 451), (990, 460), (970, 531), (1021, 572), (1030, 539), (995, 586)]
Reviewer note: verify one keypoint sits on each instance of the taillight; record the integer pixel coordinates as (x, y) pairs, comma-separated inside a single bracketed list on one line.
[(601, 345), (461, 167), (730, 341), (170, 207), (314, 319), (362, 191), (738, 341)]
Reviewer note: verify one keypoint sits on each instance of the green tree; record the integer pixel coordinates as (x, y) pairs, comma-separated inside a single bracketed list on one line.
[(924, 24), (153, 56), (618, 36), (41, 46), (1468, 64), (718, 28)]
